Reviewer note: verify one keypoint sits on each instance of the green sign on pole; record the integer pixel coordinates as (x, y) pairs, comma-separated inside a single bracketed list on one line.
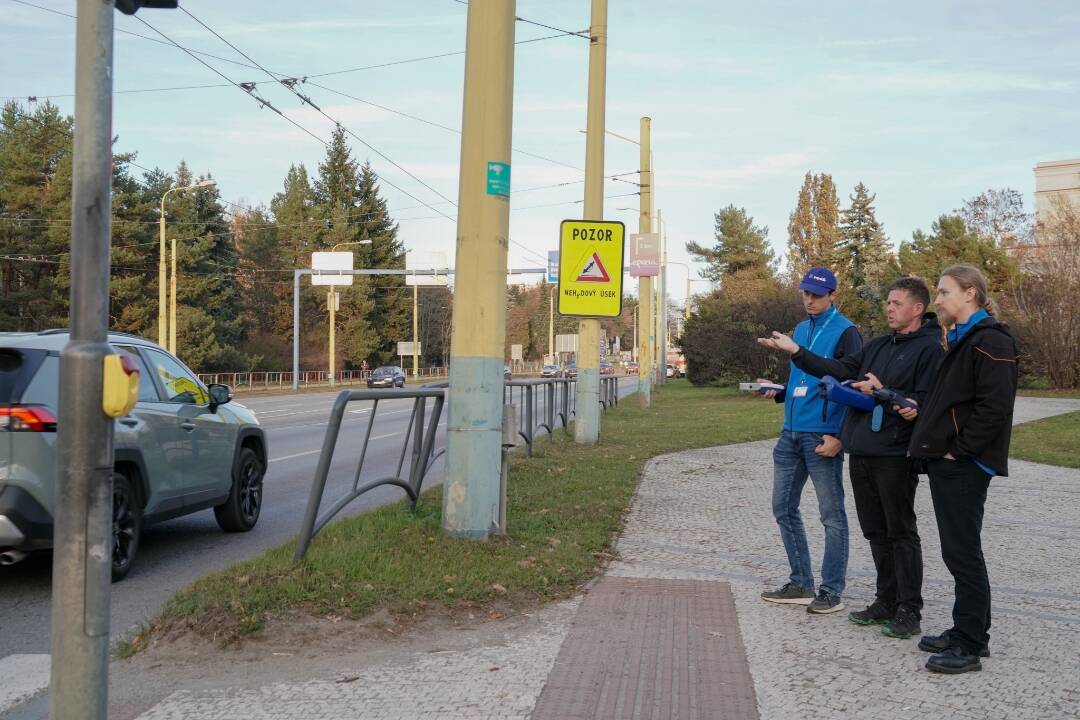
[(498, 179)]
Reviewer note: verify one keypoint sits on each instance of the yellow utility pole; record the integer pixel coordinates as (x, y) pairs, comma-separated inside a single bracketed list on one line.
[(587, 421), (415, 324), (331, 305), (551, 323), (471, 496), (645, 291), (661, 303), (172, 302), (162, 300)]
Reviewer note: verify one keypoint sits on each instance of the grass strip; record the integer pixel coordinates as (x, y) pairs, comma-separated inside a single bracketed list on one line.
[(566, 505), (1052, 440)]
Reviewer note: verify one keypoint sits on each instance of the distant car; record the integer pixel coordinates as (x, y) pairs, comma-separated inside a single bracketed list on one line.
[(570, 371), (551, 371), (387, 376), (607, 368), (632, 368), (507, 374), (674, 371), (183, 448)]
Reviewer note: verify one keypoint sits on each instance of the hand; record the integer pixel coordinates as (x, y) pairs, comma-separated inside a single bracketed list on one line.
[(767, 393), (780, 341), (948, 456), (868, 385), (829, 447), (908, 414)]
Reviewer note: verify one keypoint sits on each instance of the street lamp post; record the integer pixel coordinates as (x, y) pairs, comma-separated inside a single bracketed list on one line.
[(163, 325)]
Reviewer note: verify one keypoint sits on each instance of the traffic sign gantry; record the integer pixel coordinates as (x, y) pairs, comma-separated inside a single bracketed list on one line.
[(591, 268)]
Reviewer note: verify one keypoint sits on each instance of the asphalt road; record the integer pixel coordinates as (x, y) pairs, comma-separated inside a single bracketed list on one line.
[(175, 553)]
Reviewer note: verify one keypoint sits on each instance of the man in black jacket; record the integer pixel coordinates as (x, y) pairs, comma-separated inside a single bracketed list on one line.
[(964, 429), (882, 477)]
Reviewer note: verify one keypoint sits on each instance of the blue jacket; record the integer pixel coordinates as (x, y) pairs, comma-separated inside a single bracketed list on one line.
[(820, 335)]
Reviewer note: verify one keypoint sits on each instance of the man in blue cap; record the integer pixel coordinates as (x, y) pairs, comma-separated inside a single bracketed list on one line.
[(809, 446)]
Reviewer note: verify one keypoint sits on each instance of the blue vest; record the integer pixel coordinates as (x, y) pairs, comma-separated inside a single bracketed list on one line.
[(803, 414)]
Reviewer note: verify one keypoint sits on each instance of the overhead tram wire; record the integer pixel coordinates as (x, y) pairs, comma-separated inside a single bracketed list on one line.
[(579, 33), (249, 89), (290, 83)]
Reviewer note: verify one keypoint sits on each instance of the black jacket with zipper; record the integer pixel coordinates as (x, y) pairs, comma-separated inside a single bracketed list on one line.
[(904, 362), (968, 412)]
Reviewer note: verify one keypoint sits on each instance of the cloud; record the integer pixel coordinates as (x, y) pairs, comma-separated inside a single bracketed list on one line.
[(769, 166)]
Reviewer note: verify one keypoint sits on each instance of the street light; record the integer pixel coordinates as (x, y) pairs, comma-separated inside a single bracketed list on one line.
[(163, 331)]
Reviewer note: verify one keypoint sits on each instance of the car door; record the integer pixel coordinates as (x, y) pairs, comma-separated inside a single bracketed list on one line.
[(211, 437), (151, 428)]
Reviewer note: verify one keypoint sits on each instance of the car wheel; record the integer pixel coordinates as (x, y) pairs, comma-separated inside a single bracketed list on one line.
[(241, 511), (127, 526)]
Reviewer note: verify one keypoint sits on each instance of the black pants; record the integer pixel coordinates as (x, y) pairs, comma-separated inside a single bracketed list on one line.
[(884, 489), (959, 492)]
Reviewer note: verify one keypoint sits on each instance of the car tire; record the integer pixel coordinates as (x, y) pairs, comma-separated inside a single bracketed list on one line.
[(127, 526), (241, 511)]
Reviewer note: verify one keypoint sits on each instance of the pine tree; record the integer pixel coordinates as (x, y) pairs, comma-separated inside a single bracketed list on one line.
[(741, 247), (814, 227), (864, 247), (949, 243)]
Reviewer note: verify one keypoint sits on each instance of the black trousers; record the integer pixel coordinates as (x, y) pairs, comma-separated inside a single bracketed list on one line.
[(959, 493), (884, 490)]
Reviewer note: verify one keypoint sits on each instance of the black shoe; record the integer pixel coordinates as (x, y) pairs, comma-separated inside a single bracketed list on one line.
[(789, 594), (953, 661), (942, 642), (825, 602), (903, 626), (877, 613)]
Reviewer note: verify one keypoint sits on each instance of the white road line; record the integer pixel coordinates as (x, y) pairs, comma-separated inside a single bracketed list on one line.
[(295, 455), (23, 676)]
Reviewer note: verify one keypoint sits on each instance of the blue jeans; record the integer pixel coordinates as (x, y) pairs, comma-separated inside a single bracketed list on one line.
[(793, 460)]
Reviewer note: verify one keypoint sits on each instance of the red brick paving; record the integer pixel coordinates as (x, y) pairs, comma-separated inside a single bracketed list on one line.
[(651, 649)]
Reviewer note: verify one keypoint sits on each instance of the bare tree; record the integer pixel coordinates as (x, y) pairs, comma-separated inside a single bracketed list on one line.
[(999, 216)]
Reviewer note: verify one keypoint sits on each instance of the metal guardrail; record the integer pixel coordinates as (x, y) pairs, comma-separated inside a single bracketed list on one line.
[(419, 444), (422, 454), (305, 378)]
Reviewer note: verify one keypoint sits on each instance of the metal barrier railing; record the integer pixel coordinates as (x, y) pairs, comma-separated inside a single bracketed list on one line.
[(559, 405), (304, 378), (423, 454)]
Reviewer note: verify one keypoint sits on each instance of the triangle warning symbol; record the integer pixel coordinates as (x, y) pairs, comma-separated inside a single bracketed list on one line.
[(593, 270)]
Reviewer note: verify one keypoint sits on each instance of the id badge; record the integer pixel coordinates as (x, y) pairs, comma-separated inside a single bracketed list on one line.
[(801, 391)]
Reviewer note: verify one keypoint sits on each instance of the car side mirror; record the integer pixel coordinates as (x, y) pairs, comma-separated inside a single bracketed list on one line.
[(219, 395)]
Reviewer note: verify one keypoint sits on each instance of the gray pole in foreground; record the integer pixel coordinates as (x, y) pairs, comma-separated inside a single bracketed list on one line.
[(82, 545)]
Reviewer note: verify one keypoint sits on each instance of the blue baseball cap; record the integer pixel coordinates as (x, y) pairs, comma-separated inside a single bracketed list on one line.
[(819, 281)]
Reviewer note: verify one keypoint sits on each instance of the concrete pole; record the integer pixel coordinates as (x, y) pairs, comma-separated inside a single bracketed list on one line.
[(82, 543), (551, 323), (471, 501), (661, 302), (172, 302), (645, 291), (587, 422), (332, 307), (163, 333), (296, 329)]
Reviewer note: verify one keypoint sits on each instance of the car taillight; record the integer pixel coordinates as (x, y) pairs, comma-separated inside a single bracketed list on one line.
[(27, 418)]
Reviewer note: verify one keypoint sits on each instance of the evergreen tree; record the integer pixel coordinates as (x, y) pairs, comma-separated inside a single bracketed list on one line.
[(741, 247), (950, 243), (814, 227), (868, 264)]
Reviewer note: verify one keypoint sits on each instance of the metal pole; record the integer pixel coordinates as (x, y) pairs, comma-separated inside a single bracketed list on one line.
[(332, 306), (472, 505), (661, 303), (551, 323), (296, 329), (172, 302), (587, 424), (415, 334), (162, 318), (82, 543), (644, 319)]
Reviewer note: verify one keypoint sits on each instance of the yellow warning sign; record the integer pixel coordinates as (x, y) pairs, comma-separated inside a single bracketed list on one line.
[(591, 268)]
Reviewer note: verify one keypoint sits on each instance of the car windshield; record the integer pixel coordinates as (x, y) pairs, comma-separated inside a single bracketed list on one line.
[(383, 372)]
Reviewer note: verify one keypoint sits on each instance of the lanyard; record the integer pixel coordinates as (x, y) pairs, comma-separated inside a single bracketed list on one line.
[(810, 332)]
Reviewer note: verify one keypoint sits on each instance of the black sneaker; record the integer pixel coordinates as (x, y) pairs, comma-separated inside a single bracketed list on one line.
[(876, 613), (903, 625), (825, 602), (941, 643), (953, 661), (789, 594)]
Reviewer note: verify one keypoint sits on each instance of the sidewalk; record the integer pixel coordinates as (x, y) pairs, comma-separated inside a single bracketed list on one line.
[(705, 515)]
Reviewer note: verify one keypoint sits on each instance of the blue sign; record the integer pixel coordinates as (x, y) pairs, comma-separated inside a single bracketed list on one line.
[(498, 179), (553, 266)]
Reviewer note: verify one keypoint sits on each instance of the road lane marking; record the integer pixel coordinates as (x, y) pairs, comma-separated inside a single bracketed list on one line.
[(23, 676), (295, 455)]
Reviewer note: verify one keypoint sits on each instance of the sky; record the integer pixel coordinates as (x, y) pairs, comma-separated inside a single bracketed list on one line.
[(926, 102)]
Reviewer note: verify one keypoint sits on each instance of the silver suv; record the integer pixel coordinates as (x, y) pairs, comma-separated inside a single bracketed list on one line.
[(185, 447)]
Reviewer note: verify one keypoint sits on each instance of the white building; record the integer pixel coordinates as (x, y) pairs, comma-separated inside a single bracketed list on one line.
[(1056, 179)]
